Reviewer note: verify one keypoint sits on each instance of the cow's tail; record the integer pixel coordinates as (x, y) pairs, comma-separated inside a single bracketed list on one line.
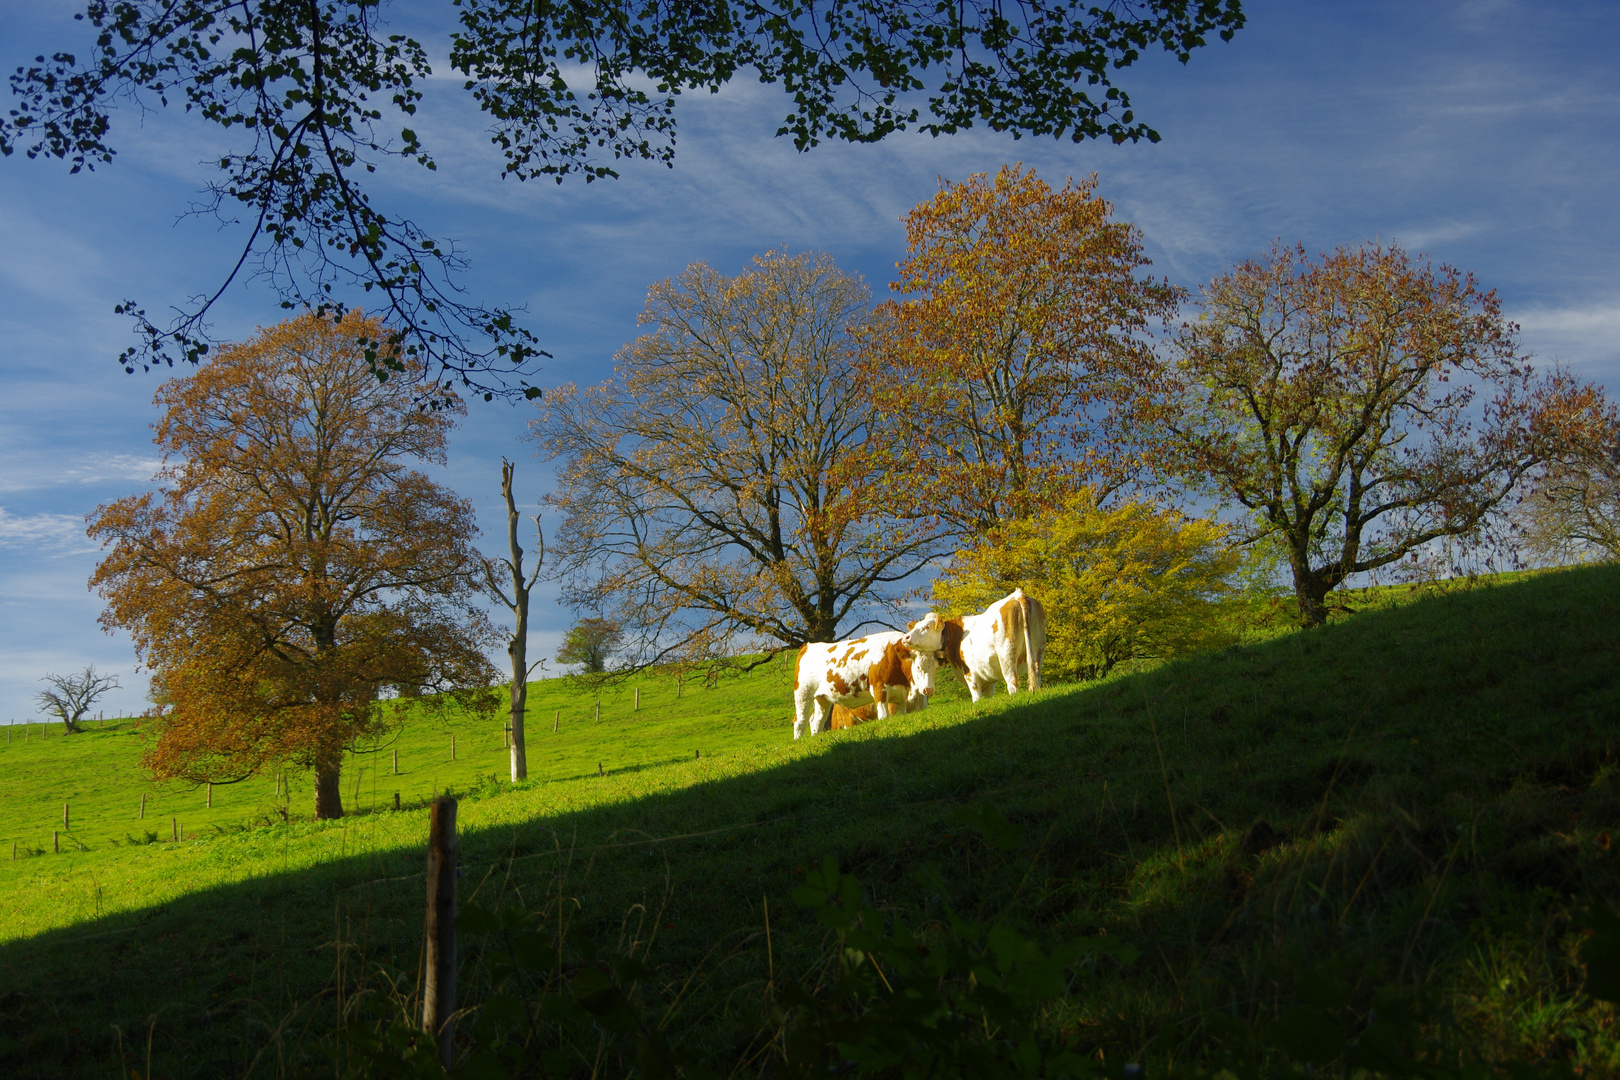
[(1034, 662)]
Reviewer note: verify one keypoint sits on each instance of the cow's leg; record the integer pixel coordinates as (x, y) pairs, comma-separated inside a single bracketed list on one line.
[(818, 719), (802, 704)]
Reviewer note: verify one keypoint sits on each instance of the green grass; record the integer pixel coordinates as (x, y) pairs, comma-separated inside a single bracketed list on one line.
[(1436, 775)]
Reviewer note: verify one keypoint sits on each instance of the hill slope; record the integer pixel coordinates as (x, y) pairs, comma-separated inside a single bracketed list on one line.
[(1420, 796)]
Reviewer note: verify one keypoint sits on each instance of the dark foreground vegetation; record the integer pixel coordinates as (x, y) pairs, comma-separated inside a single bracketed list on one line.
[(1384, 841)]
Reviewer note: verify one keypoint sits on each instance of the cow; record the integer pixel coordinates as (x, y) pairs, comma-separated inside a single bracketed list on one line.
[(987, 646), (915, 699), (875, 668)]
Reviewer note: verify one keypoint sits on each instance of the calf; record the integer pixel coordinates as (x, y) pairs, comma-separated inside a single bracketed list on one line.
[(987, 646), (874, 669)]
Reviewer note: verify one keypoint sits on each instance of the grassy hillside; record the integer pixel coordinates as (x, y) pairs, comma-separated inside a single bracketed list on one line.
[(1419, 796)]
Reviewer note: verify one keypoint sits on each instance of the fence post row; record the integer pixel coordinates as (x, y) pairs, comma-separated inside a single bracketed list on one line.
[(439, 990)]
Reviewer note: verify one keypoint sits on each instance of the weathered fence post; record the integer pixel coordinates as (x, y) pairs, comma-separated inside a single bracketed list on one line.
[(396, 800), (210, 794), (439, 990), (452, 748), (556, 721), (174, 829), (637, 706), (599, 771), (65, 825), (56, 842), (598, 712), (396, 762), (143, 806)]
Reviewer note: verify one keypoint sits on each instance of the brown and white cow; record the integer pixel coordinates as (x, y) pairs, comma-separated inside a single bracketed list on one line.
[(987, 646), (914, 700), (876, 668)]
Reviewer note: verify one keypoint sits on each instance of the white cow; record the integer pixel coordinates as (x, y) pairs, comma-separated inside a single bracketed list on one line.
[(876, 668), (988, 646)]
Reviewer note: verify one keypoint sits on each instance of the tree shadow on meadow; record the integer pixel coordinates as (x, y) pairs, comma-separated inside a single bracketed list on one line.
[(1139, 802)]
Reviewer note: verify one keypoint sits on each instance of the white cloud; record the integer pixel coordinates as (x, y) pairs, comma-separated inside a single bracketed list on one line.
[(36, 471), (1580, 336), (42, 532)]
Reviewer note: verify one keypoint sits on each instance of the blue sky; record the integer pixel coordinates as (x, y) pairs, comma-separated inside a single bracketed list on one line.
[(1485, 134)]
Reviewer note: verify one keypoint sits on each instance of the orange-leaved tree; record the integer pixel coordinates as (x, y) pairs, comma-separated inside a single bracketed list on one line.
[(999, 378), (1361, 406), (295, 563)]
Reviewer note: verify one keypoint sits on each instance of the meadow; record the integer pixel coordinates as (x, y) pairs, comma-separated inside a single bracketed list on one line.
[(1419, 796)]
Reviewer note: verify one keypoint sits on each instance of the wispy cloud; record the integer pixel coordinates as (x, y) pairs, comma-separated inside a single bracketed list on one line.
[(41, 532), (34, 471), (1581, 336)]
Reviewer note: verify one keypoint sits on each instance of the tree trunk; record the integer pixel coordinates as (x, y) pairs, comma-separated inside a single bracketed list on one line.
[(1311, 591), (328, 792), (520, 696)]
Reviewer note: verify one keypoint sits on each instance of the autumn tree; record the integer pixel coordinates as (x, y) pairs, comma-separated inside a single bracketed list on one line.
[(300, 93), (1569, 510), (506, 581), (1132, 581), (998, 378), (69, 697), (295, 562), (590, 643), (1359, 407), (711, 490)]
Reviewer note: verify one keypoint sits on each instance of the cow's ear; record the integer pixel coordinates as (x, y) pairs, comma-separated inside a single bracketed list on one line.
[(912, 624)]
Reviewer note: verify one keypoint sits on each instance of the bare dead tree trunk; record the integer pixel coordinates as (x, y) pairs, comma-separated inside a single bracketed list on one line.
[(517, 601)]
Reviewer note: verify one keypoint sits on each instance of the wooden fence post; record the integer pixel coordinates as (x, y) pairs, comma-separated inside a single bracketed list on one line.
[(452, 748), (396, 762), (174, 829), (65, 825), (396, 800), (56, 842), (210, 794), (143, 806), (556, 721), (637, 707), (598, 712), (439, 990)]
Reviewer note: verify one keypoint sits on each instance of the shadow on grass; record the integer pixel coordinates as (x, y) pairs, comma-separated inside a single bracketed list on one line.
[(1390, 791)]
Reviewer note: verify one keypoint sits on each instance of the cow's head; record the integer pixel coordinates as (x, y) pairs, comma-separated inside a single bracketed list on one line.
[(923, 667), (926, 635)]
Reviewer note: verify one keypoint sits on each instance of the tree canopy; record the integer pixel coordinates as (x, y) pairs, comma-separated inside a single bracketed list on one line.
[(70, 696), (1127, 582), (310, 97), (295, 563), (715, 493), (1360, 406), (999, 377)]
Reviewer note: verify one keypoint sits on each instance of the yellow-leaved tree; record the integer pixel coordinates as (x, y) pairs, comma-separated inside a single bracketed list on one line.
[(1130, 582)]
